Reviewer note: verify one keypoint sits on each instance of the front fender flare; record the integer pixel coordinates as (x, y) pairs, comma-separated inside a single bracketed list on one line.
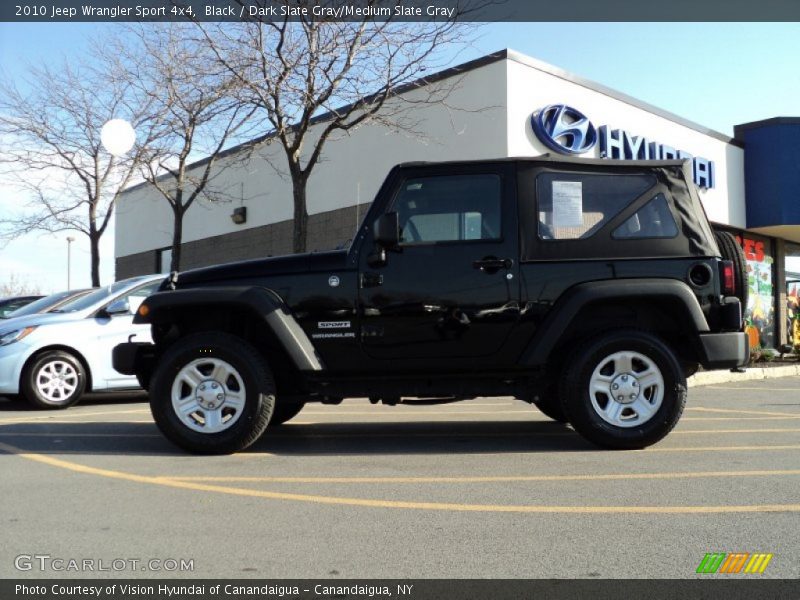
[(162, 307)]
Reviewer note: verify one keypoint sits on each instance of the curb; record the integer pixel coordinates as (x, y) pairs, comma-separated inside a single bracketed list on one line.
[(714, 377)]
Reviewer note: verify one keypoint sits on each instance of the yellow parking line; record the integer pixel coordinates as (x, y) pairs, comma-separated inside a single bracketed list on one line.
[(346, 435), (766, 388), (499, 479), (380, 406), (721, 448), (87, 422), (738, 418), (422, 412), (397, 504), (77, 435), (299, 435), (714, 431), (744, 412), (76, 415)]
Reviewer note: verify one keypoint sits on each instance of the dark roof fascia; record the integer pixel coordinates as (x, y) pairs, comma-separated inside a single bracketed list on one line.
[(739, 129)]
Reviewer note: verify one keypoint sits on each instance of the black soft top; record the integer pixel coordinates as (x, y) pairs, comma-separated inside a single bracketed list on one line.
[(673, 177)]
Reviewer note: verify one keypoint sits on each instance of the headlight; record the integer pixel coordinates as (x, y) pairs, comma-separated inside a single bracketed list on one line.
[(15, 336)]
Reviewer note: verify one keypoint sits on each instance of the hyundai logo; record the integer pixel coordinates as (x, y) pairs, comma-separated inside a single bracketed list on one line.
[(564, 129)]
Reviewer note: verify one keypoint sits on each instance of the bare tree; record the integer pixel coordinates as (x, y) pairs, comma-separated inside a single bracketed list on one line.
[(196, 115), (312, 80), (50, 126), (17, 286)]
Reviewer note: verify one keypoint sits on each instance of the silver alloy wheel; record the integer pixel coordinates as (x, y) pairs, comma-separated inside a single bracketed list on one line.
[(208, 395), (56, 381), (626, 389)]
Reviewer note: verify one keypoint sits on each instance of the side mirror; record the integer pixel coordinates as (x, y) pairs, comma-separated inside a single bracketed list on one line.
[(387, 231), (119, 307)]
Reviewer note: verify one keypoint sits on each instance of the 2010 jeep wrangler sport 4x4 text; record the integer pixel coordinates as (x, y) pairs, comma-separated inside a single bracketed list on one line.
[(590, 288)]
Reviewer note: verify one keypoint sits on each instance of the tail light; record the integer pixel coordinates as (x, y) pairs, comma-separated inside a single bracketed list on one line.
[(726, 275)]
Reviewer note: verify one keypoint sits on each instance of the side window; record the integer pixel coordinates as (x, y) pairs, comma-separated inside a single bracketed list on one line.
[(653, 220), (449, 208), (575, 206)]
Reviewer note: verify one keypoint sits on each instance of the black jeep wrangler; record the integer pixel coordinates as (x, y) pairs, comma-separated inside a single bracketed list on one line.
[(590, 288)]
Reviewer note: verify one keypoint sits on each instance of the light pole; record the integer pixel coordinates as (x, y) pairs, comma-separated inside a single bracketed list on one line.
[(70, 239)]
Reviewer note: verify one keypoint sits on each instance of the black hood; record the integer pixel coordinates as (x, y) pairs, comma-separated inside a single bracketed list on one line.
[(279, 265)]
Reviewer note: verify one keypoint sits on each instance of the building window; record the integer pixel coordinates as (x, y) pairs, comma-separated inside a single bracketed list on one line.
[(164, 260), (792, 267), (760, 311)]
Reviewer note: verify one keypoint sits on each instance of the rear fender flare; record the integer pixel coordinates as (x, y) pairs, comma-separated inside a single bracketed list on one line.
[(565, 310)]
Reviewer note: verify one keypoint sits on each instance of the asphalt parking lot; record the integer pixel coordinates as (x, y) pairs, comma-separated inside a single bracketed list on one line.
[(488, 488)]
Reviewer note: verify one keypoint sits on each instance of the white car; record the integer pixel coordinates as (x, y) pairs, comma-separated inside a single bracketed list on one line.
[(51, 359)]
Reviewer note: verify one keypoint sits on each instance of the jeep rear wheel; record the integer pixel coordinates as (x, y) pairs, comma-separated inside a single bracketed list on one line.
[(212, 393), (624, 390)]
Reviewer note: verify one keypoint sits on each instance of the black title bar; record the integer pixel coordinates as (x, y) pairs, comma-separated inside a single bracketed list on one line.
[(730, 588), (398, 10)]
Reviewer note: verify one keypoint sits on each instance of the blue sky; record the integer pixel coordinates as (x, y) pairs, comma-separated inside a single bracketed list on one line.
[(716, 74)]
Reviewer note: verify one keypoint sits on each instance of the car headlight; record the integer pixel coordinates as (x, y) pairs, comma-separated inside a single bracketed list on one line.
[(15, 336)]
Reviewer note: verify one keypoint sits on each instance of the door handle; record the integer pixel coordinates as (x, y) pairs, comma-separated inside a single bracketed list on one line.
[(490, 264), (371, 280)]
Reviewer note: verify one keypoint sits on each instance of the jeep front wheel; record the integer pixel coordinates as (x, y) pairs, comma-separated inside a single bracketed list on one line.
[(624, 390), (213, 393)]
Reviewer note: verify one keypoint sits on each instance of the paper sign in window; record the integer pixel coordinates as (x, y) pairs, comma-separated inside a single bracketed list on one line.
[(567, 204)]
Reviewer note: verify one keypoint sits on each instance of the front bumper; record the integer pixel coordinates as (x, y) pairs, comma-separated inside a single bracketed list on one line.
[(724, 350), (133, 358), (12, 360)]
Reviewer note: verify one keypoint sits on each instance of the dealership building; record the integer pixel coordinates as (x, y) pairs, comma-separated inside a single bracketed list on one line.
[(501, 105)]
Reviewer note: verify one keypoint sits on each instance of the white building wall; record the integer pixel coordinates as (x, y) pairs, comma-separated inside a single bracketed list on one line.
[(533, 85), (470, 126)]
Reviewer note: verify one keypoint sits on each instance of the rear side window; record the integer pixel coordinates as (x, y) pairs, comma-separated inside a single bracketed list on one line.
[(574, 206), (449, 208), (653, 220)]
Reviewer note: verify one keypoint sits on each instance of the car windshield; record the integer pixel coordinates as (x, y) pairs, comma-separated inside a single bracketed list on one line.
[(41, 305), (98, 295)]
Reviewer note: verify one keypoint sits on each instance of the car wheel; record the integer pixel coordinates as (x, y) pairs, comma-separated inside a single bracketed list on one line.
[(54, 379), (212, 393), (624, 390), (284, 411)]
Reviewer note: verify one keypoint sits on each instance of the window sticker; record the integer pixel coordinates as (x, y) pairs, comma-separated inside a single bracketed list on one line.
[(567, 204)]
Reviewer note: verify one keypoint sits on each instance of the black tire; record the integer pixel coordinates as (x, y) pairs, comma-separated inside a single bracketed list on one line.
[(63, 371), (284, 411), (550, 405), (578, 402), (730, 250), (257, 389)]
